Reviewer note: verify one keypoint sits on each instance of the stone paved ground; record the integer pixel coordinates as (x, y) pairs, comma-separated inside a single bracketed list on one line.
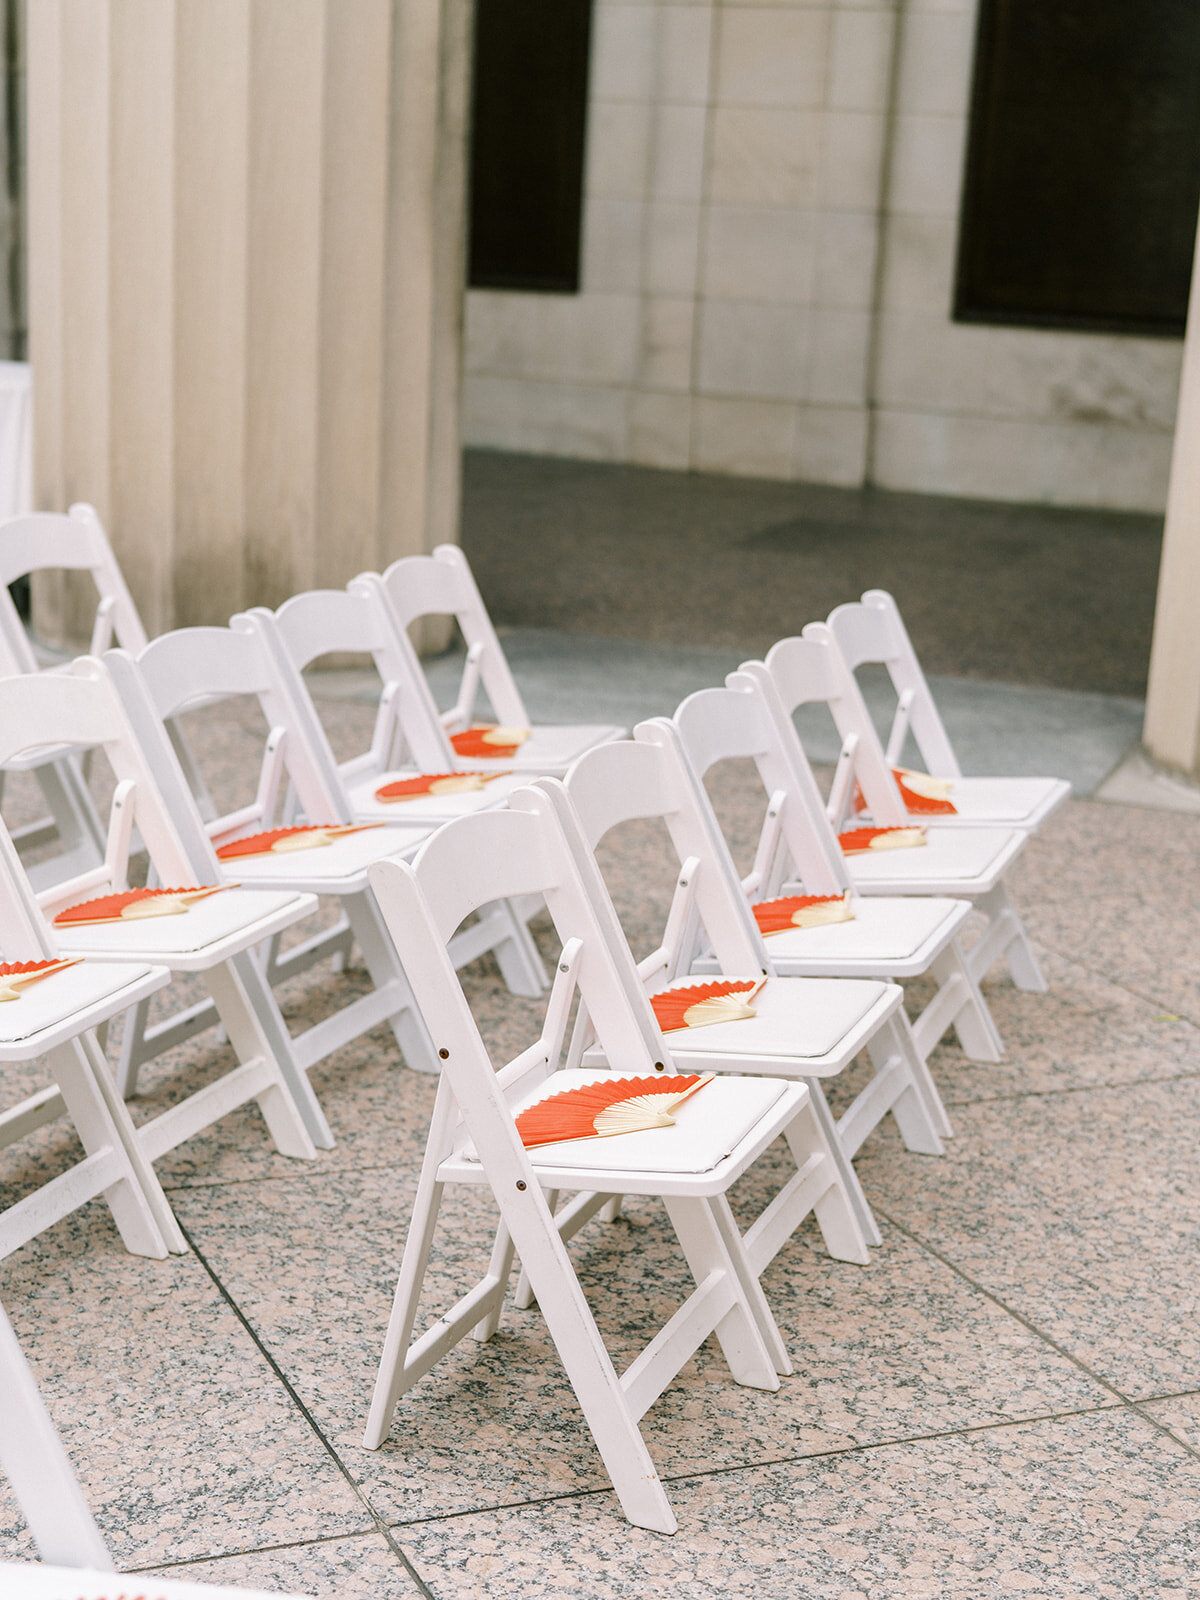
[(1005, 1401)]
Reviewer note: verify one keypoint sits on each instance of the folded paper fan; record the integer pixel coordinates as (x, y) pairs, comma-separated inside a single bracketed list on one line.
[(857, 841), (433, 783), (496, 742), (133, 904), (284, 841), (699, 1005), (16, 976), (925, 794), (612, 1106), (802, 911)]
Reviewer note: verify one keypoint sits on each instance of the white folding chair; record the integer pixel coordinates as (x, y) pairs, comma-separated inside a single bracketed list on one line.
[(212, 937), (356, 621), (206, 665), (970, 863), (76, 542), (441, 584), (804, 1028), (893, 936), (55, 1017), (718, 1134), (33, 1460), (870, 632)]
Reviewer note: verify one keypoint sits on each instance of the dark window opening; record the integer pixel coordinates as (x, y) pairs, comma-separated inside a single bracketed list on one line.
[(1083, 165), (529, 114)]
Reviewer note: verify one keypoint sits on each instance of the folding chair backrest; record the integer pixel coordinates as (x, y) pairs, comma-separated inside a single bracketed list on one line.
[(81, 707), (193, 666), (647, 778), (35, 1463), (811, 670), (357, 620), (442, 584), (494, 855), (76, 542), (871, 632), (737, 722), (24, 932)]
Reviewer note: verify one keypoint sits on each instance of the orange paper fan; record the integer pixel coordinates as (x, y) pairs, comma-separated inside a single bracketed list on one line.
[(699, 1005), (857, 841), (284, 841), (133, 904), (614, 1105), (924, 794), (495, 742), (433, 783), (802, 911), (18, 975)]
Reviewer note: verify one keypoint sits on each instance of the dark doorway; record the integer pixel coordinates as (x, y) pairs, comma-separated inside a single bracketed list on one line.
[(1083, 165), (530, 111)]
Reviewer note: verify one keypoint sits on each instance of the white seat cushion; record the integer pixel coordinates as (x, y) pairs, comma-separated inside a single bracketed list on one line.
[(213, 920), (337, 867), (802, 1017), (952, 860), (708, 1127), (1011, 802), (892, 928), (64, 994), (433, 807)]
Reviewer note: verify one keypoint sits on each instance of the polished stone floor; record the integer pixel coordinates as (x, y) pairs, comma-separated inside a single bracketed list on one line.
[(1005, 1401)]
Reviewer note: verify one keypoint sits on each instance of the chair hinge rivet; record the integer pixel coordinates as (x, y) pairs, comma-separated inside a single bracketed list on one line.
[(520, 1183), (445, 1054), (564, 967), (658, 1067)]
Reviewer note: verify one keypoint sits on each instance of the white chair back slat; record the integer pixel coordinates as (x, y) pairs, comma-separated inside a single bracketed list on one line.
[(442, 585)]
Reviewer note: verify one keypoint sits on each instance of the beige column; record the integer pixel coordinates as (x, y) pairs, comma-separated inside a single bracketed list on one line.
[(1172, 728), (245, 255)]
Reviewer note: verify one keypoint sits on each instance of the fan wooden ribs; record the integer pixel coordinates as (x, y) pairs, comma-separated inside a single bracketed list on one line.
[(700, 1005), (602, 1110), (857, 841), (802, 911), (433, 783), (17, 976), (494, 742)]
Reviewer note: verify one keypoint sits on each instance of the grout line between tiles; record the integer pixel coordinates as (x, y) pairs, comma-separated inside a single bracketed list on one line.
[(1040, 1333), (254, 1550), (381, 1526), (1117, 983), (772, 1461)]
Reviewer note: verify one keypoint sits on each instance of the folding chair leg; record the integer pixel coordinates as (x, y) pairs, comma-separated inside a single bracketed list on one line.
[(523, 1293), (499, 1269), (833, 1206), (845, 1167), (708, 1252), (927, 1089), (520, 964), (1013, 942), (290, 1109), (132, 1038), (768, 1328), (905, 1082), (379, 958), (143, 1171), (102, 1123)]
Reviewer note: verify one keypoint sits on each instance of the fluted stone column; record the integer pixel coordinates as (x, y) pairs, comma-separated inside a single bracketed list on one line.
[(246, 226), (1172, 729)]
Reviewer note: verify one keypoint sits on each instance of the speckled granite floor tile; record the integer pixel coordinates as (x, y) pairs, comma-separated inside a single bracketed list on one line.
[(1075, 1210), (1102, 1506), (185, 1443), (1180, 1413), (338, 1569), (901, 1347)]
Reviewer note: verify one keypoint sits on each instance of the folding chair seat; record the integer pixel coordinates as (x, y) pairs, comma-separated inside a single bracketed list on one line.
[(55, 1017), (871, 632), (805, 1028), (211, 936), (441, 584), (718, 1134), (75, 542), (33, 1460), (967, 862), (208, 665), (890, 937)]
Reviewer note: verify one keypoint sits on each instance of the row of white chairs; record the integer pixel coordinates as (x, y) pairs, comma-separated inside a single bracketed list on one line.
[(829, 992)]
